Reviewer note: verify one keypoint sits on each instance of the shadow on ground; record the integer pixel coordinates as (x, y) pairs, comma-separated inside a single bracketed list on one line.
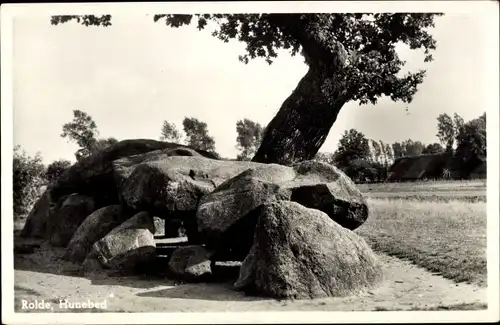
[(35, 255)]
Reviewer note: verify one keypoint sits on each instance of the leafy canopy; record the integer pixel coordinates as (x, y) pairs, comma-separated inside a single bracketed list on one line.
[(358, 50), (249, 137), (169, 132), (471, 140), (197, 134), (353, 145), (433, 149), (83, 130), (448, 129), (56, 168), (28, 177)]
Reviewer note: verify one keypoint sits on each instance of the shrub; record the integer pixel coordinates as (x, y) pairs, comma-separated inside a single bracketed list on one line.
[(363, 170), (28, 177), (55, 169)]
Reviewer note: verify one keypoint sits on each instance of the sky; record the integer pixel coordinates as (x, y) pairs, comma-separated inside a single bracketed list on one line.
[(132, 76)]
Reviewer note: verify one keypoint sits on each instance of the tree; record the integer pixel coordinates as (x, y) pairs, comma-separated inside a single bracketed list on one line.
[(56, 168), (169, 132), (352, 145), (351, 57), (413, 148), (446, 131), (248, 139), (197, 134), (471, 145), (28, 177), (83, 131), (458, 122), (399, 149), (433, 149), (376, 151), (388, 153), (361, 170)]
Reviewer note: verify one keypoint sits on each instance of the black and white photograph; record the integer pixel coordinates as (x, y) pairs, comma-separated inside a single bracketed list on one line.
[(250, 162)]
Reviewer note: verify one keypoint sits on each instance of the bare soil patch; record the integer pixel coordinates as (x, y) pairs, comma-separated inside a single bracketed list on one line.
[(41, 275)]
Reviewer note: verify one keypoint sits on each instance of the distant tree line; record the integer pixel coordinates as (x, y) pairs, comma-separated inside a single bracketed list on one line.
[(195, 134), (365, 159), (360, 158)]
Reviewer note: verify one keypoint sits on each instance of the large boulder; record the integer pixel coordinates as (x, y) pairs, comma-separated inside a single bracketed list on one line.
[(172, 186), (190, 263), (302, 253), (172, 183), (51, 221), (225, 219), (97, 225), (66, 219), (36, 223), (157, 188), (126, 247), (124, 166), (94, 175)]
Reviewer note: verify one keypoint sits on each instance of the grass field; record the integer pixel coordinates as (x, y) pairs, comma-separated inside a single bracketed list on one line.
[(444, 236), (456, 187)]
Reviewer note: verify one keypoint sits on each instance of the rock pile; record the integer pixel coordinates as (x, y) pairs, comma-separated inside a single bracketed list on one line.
[(290, 225)]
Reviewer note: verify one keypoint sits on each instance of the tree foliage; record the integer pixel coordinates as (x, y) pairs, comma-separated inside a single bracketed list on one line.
[(248, 139), (86, 20), (170, 132), (56, 168), (448, 130), (197, 134), (399, 149), (352, 145), (471, 144), (433, 148), (363, 43), (387, 153), (408, 148), (413, 148), (458, 122), (362, 170), (375, 150), (83, 131), (28, 177)]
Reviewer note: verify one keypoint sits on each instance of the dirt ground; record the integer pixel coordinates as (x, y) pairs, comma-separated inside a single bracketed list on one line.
[(41, 275)]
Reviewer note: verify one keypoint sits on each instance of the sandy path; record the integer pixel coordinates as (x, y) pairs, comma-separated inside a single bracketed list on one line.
[(405, 286)]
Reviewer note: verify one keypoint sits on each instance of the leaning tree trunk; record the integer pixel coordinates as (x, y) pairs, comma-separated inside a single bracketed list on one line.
[(304, 120)]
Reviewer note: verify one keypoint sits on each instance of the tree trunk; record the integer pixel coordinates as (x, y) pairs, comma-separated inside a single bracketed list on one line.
[(303, 122)]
